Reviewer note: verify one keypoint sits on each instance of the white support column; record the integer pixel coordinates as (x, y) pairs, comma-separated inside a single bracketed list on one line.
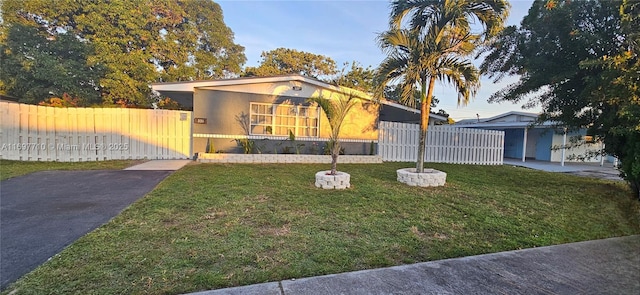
[(602, 154), (564, 146), (524, 145)]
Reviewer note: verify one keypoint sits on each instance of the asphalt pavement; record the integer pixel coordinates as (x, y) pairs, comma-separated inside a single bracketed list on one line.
[(43, 212)]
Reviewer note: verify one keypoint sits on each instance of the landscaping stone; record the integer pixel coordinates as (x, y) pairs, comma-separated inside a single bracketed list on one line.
[(284, 158), (430, 177), (327, 181)]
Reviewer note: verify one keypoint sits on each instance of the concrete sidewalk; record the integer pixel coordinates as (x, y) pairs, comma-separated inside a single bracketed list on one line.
[(160, 165), (609, 266)]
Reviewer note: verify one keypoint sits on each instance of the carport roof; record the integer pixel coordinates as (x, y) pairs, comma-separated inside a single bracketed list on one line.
[(496, 122), (509, 125)]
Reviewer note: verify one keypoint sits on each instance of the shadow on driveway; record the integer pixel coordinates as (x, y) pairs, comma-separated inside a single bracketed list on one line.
[(44, 212)]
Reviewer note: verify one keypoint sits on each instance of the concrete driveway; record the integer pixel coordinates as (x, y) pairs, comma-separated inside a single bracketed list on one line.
[(593, 170), (44, 212)]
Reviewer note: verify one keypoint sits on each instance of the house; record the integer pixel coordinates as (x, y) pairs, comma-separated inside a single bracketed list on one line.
[(272, 115), (525, 139)]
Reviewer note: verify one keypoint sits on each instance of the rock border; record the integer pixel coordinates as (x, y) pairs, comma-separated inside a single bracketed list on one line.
[(284, 158), (430, 177), (327, 181)]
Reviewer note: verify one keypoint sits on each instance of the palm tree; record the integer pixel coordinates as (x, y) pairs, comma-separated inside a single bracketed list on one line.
[(436, 46), (420, 60), (434, 15), (336, 111)]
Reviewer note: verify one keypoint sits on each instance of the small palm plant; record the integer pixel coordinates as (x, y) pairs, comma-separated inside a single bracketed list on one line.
[(336, 111)]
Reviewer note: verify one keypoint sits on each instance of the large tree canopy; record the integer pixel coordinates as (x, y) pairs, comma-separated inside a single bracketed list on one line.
[(546, 51), (35, 67), (137, 41), (579, 61), (284, 61), (356, 77)]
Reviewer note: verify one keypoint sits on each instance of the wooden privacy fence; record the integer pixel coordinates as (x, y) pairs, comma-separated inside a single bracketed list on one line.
[(398, 142), (39, 133)]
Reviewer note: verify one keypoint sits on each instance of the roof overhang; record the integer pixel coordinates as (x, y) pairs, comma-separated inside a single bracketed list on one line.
[(191, 86), (525, 114), (509, 125), (410, 109)]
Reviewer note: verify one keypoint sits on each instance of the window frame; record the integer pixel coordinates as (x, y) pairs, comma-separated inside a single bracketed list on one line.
[(275, 116)]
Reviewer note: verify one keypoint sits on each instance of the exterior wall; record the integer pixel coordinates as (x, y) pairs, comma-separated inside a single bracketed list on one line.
[(556, 155), (361, 122), (286, 146), (387, 113), (222, 109), (532, 141), (540, 142), (513, 139), (543, 146)]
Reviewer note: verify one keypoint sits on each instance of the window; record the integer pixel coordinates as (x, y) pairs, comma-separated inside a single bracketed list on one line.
[(278, 119)]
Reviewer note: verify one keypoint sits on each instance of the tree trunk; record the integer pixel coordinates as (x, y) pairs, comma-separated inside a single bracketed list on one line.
[(335, 151), (425, 108)]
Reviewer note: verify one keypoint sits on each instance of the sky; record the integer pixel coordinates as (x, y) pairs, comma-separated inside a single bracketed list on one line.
[(346, 31)]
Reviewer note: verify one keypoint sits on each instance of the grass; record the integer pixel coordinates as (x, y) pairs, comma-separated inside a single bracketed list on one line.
[(9, 169), (212, 226)]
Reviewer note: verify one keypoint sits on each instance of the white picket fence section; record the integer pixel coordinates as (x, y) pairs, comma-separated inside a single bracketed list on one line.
[(39, 133), (398, 142)]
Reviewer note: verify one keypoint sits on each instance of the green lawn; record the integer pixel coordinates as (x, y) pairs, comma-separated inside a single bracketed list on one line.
[(212, 226), (10, 169)]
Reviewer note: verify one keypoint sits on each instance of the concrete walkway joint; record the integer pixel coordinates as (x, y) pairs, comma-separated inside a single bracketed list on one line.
[(609, 266)]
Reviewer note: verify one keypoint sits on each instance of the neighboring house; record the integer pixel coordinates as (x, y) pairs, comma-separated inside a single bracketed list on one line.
[(525, 139), (266, 110)]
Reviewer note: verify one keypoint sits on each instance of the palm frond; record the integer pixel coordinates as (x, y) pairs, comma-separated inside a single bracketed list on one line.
[(436, 15), (335, 109)]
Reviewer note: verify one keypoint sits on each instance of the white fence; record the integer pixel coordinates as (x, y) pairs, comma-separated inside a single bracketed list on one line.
[(444, 144), (39, 133)]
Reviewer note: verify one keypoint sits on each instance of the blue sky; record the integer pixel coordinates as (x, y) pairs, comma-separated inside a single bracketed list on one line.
[(346, 31)]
